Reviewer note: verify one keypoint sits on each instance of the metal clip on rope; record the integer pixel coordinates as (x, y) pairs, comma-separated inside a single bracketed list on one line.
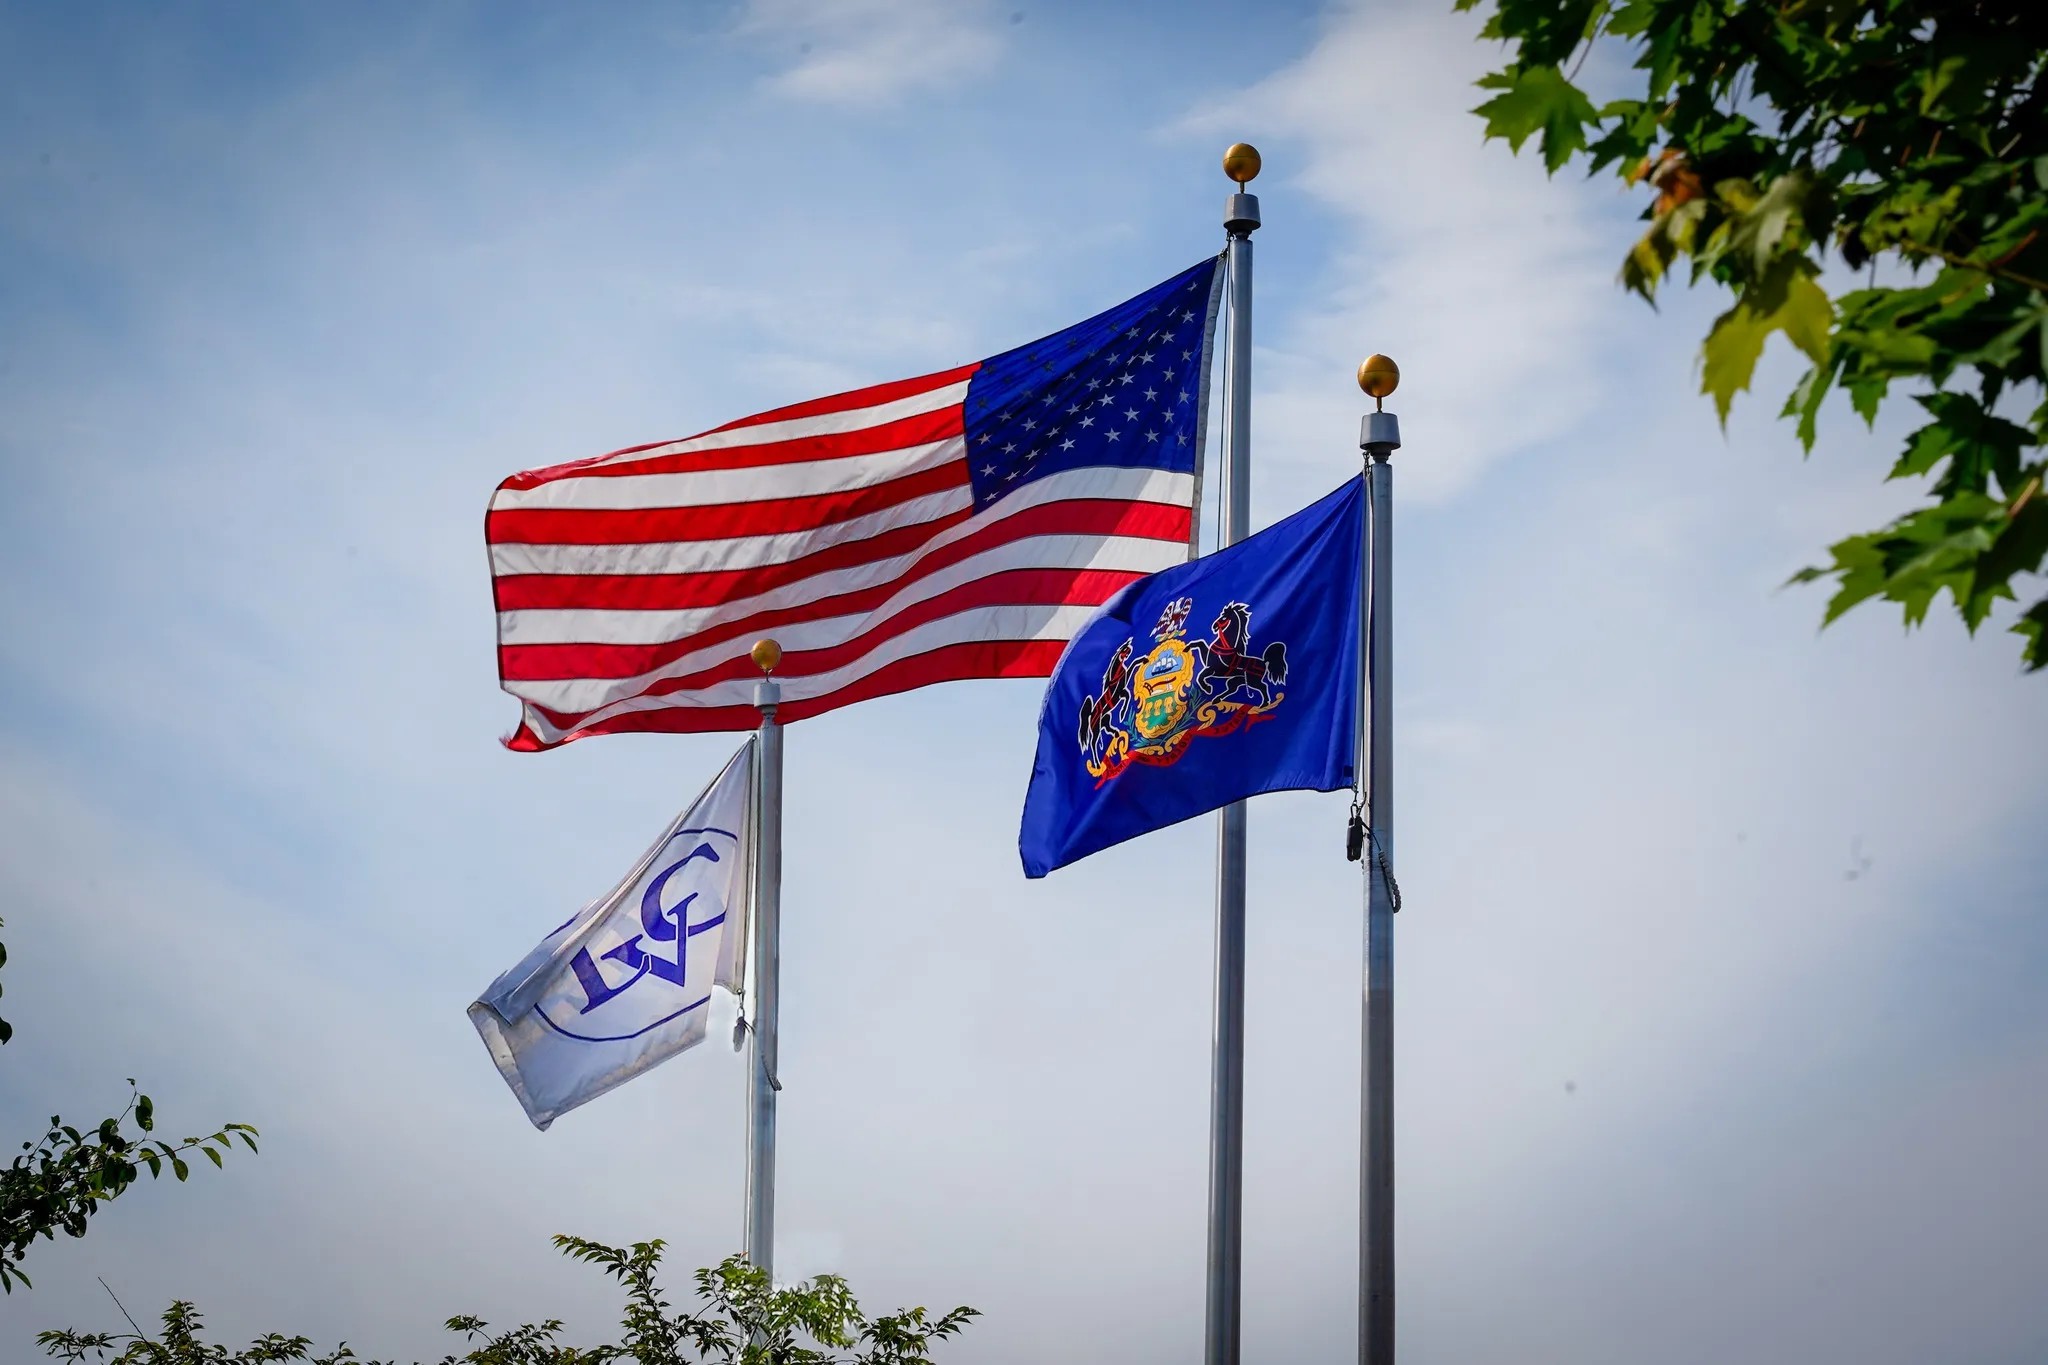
[(1356, 836)]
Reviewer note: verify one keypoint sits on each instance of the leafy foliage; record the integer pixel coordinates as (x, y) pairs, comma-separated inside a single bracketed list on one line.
[(1774, 134), (180, 1345), (59, 1182), (745, 1320)]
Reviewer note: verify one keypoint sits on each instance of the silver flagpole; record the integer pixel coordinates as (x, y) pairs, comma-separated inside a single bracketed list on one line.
[(1226, 1084), (1379, 437), (767, 965)]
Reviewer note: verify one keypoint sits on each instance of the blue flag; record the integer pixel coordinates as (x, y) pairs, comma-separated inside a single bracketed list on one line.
[(1203, 684)]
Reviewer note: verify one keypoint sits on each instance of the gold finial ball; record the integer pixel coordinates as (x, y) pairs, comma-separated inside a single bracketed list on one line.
[(766, 654), (1378, 376), (1241, 162)]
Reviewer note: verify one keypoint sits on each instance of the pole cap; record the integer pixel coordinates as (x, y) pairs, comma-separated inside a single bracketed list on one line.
[(1379, 376), (1379, 434), (766, 654), (1241, 163), (1241, 214)]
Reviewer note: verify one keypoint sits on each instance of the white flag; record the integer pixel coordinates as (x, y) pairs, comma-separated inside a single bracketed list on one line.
[(626, 984)]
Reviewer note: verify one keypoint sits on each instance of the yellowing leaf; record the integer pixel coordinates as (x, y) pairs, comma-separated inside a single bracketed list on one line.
[(1644, 266), (1739, 195), (1758, 223), (1728, 356), (1786, 300), (1806, 317)]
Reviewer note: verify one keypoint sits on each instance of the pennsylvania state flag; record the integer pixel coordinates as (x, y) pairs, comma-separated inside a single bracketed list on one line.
[(1203, 684)]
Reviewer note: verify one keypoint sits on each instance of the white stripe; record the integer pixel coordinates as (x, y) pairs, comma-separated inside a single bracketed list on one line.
[(755, 483), (627, 626), (715, 556), (1110, 483), (1125, 553), (982, 623), (797, 428)]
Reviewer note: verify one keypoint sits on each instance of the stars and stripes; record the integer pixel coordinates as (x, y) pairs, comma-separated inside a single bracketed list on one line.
[(960, 525)]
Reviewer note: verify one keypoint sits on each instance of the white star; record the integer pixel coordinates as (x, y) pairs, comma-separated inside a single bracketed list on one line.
[(1030, 425), (1151, 435), (1183, 395), (984, 438), (1151, 394), (1145, 359), (988, 469), (1183, 438), (1186, 316), (1106, 401), (1123, 379), (1094, 384), (1087, 421), (1130, 414), (1169, 376), (1049, 399), (1066, 445), (1009, 447), (1074, 408), (1114, 433), (1187, 355), (1135, 331)]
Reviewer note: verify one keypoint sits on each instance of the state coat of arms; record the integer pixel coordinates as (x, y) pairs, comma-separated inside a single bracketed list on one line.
[(1153, 705)]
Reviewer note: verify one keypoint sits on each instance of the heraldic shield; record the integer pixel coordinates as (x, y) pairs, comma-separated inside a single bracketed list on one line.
[(1201, 685)]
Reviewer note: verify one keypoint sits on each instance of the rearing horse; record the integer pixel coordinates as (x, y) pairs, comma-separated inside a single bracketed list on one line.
[(1116, 690), (1225, 666)]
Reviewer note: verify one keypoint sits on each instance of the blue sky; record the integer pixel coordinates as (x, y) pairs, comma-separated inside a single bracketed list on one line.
[(1721, 1032)]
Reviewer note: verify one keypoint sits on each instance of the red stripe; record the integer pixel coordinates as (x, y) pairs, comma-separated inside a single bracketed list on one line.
[(656, 592), (716, 521), (1018, 587), (948, 663), (857, 398), (533, 478), (1088, 588), (844, 402), (918, 429)]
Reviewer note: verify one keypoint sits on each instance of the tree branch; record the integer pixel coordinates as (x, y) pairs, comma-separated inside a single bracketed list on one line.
[(1996, 268)]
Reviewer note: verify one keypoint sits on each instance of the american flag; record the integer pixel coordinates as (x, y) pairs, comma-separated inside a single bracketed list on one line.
[(960, 525)]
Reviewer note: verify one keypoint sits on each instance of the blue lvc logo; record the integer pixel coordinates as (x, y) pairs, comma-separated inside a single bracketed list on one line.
[(645, 967)]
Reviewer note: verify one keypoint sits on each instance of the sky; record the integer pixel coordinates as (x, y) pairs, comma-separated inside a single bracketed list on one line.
[(1721, 1026)]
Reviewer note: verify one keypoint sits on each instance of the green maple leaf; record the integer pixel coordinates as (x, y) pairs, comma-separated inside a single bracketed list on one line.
[(1538, 100), (1906, 133), (2033, 628)]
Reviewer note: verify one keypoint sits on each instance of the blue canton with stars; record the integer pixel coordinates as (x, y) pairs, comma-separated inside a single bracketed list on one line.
[(1123, 388)]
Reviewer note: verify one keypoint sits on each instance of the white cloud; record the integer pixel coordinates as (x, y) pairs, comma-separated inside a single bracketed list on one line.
[(1484, 279), (875, 52)]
